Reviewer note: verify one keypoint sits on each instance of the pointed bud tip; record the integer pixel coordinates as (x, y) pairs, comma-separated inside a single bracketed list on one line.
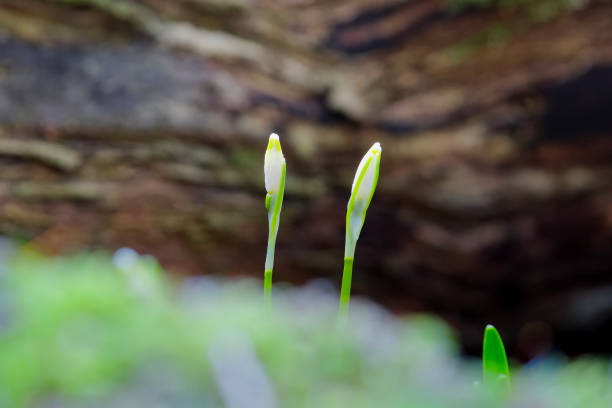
[(274, 142), (376, 148), (274, 163)]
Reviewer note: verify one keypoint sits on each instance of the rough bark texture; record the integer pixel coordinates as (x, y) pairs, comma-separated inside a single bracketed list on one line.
[(143, 123)]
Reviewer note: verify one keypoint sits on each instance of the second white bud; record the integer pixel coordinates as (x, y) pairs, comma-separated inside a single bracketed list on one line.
[(366, 176), (364, 184)]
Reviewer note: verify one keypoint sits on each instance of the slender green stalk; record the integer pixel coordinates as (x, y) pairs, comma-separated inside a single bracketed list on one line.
[(273, 221), (269, 258), (267, 286), (345, 290)]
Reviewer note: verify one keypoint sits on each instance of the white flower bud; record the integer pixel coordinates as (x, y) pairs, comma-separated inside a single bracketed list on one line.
[(368, 172), (362, 191), (274, 163)]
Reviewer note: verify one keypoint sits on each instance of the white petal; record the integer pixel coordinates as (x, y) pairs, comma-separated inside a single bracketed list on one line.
[(359, 170), (366, 182), (368, 179), (273, 164)]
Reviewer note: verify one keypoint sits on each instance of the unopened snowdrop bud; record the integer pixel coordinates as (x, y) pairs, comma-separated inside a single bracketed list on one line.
[(367, 172), (274, 164), (362, 191), (274, 175)]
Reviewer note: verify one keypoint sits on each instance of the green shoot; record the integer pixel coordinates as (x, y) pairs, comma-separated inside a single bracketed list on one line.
[(274, 174), (495, 371), (362, 191)]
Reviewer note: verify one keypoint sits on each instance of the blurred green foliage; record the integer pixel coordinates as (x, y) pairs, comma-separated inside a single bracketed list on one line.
[(85, 331), (494, 361)]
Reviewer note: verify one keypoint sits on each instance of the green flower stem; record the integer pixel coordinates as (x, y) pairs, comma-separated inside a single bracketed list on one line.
[(269, 265), (274, 203), (347, 273), (345, 290), (271, 246), (267, 285)]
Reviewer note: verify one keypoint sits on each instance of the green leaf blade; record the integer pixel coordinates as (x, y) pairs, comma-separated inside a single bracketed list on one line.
[(494, 361)]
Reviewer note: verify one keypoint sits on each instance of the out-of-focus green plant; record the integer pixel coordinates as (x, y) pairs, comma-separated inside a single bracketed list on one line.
[(364, 185), (275, 169), (91, 332), (495, 372)]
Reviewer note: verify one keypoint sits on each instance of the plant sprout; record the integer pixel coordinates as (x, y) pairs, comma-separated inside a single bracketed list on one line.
[(495, 371), (362, 191), (274, 174)]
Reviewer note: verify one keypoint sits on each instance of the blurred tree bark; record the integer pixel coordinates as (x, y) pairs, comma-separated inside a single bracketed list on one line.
[(144, 123)]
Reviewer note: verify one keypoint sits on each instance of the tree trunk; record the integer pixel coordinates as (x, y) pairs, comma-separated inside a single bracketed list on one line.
[(144, 123)]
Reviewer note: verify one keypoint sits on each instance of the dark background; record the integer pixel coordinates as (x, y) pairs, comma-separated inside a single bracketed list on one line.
[(144, 123)]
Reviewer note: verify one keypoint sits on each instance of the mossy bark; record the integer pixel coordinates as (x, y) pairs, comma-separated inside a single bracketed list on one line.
[(144, 123)]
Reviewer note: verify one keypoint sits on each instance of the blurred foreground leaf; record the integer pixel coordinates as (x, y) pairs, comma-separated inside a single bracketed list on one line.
[(495, 370), (91, 331)]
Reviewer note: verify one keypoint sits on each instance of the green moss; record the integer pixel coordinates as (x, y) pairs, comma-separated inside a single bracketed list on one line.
[(118, 8), (72, 190), (496, 34), (538, 10), (52, 154), (134, 14), (526, 14)]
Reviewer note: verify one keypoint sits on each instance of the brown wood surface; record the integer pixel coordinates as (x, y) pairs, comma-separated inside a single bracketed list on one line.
[(143, 123)]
